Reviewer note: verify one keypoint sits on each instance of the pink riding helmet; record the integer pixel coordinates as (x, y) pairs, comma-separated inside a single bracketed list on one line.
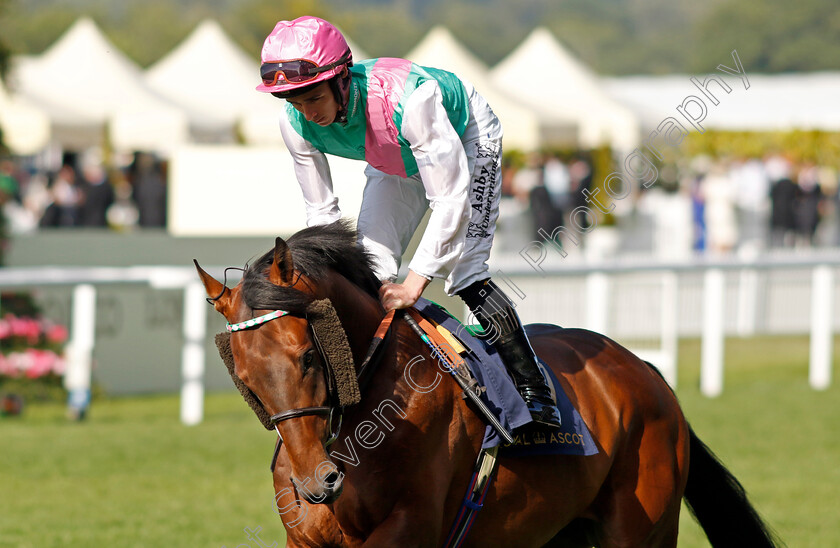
[(302, 52)]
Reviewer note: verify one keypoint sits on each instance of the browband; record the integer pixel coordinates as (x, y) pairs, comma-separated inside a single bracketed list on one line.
[(254, 322)]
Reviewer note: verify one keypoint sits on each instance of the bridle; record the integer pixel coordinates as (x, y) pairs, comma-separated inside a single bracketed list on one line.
[(329, 410), (364, 373)]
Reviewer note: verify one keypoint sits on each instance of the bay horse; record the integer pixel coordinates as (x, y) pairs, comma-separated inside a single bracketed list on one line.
[(397, 473)]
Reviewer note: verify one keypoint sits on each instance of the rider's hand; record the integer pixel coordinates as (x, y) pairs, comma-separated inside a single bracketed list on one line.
[(404, 295)]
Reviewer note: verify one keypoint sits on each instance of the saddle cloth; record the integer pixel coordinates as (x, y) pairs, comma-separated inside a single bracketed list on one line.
[(503, 399)]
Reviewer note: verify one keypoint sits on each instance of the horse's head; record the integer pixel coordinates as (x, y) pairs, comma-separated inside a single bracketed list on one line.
[(276, 355)]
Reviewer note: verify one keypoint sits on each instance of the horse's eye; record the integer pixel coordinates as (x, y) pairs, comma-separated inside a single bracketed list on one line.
[(307, 359)]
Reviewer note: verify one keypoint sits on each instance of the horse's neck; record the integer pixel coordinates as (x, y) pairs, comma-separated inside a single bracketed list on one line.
[(359, 313)]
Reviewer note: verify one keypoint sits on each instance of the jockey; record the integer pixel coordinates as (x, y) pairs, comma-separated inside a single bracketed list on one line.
[(430, 141)]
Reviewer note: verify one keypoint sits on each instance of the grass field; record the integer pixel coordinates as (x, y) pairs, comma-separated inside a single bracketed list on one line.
[(133, 476)]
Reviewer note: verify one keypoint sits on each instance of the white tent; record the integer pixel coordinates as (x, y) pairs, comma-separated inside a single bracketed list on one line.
[(772, 102), (26, 129), (573, 106), (212, 79), (441, 50), (91, 91)]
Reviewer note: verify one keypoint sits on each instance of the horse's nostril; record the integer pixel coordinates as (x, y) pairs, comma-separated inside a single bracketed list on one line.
[(331, 479)]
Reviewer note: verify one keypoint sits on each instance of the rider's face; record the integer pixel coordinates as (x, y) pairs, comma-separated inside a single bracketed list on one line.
[(317, 105)]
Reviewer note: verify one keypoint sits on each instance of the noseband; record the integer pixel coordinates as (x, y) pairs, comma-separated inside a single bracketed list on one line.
[(328, 410)]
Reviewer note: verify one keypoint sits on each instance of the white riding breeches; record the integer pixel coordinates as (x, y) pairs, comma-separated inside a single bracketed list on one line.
[(393, 207)]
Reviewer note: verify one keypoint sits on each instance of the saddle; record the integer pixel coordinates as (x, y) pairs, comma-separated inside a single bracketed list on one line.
[(497, 390)]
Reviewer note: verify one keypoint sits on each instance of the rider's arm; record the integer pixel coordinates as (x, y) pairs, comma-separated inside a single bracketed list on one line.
[(313, 174), (443, 168)]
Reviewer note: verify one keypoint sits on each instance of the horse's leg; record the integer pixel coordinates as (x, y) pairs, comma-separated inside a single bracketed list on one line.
[(422, 511), (408, 527), (641, 506)]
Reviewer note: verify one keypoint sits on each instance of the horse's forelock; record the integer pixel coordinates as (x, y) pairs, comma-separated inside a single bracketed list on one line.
[(259, 293), (315, 252)]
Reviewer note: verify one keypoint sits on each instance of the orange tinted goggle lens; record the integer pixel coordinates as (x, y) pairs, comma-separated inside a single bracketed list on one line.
[(293, 72)]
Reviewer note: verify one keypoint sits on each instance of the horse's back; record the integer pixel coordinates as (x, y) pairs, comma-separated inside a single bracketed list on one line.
[(582, 357), (612, 388)]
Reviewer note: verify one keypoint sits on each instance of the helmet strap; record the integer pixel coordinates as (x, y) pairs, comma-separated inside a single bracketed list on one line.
[(340, 86)]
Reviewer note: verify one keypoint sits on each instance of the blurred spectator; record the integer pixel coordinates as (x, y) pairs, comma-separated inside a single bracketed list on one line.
[(718, 194), (753, 200), (580, 179), (149, 191), (527, 177), (783, 195), (8, 182), (528, 187), (808, 205), (668, 205), (830, 181), (36, 197), (66, 198), (122, 215), (698, 215), (15, 216), (546, 198), (509, 170), (8, 191), (558, 183), (98, 194), (698, 169), (777, 167)]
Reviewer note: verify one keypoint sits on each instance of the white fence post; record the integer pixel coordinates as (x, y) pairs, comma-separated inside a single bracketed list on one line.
[(192, 354), (711, 363), (669, 327), (597, 301), (822, 297), (77, 378)]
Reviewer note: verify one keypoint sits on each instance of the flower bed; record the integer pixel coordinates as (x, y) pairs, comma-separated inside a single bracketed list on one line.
[(32, 364)]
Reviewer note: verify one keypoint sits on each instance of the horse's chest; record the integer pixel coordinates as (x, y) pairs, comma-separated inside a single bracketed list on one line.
[(327, 527), (318, 530)]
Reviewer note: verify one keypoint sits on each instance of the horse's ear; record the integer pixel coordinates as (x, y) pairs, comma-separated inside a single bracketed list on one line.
[(282, 268), (215, 290)]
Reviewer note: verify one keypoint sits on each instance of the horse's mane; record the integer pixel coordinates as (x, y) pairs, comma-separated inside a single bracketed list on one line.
[(316, 251)]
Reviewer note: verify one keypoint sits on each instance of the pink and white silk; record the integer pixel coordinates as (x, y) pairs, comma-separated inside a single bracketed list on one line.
[(448, 165), (382, 149)]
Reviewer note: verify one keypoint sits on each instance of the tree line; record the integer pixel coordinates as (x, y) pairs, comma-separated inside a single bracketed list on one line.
[(613, 37)]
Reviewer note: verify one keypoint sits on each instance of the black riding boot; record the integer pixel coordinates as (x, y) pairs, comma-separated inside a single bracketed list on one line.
[(502, 325)]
